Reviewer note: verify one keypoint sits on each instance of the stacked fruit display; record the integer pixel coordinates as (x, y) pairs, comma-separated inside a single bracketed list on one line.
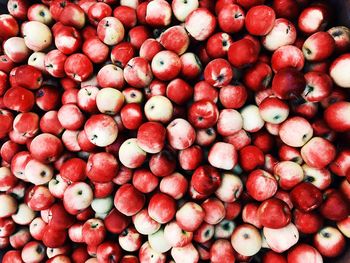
[(174, 131)]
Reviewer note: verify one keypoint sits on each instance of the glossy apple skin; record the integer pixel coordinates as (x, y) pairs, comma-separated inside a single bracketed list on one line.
[(306, 197)]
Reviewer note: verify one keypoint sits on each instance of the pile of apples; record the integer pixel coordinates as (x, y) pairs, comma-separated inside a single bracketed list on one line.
[(174, 131)]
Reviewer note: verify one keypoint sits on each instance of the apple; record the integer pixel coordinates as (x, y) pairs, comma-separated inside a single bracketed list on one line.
[(319, 46), (144, 224), (204, 233), (78, 67), (261, 185), (218, 72), (37, 35), (283, 33), (147, 253), (288, 83), (312, 19), (162, 208), (303, 252), (158, 242), (306, 197), (231, 18), (287, 56), (82, 193), (9, 26), (200, 30), (16, 49), (138, 73), (246, 240), (40, 13), (33, 251), (218, 45), (182, 9), (166, 65), (110, 30), (158, 13), (159, 109), (108, 250), (126, 15), (67, 40), (281, 239), (101, 130), (248, 50), (124, 195), (329, 241)]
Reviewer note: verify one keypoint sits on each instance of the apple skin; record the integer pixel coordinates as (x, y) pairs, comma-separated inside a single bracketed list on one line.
[(221, 251), (54, 63), (329, 241), (179, 91), (81, 72), (101, 130), (223, 156), (122, 199), (313, 19), (138, 73), (9, 26), (37, 35), (12, 256), (250, 214), (218, 72), (167, 182), (280, 243), (94, 232), (303, 252), (175, 236), (334, 116), (204, 91), (33, 252), (162, 208), (218, 45), (166, 65), (206, 179), (307, 222), (259, 180), (274, 213), (82, 192), (231, 23), (287, 56), (207, 26), (147, 253), (107, 251), (283, 33), (338, 71), (150, 144), (334, 206), (175, 39), (16, 49), (115, 222), (242, 236), (203, 114), (19, 77), (322, 157), (271, 256), (296, 131), (144, 224), (306, 197), (248, 50), (101, 167), (190, 216), (288, 83), (318, 47), (266, 17), (230, 189)]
